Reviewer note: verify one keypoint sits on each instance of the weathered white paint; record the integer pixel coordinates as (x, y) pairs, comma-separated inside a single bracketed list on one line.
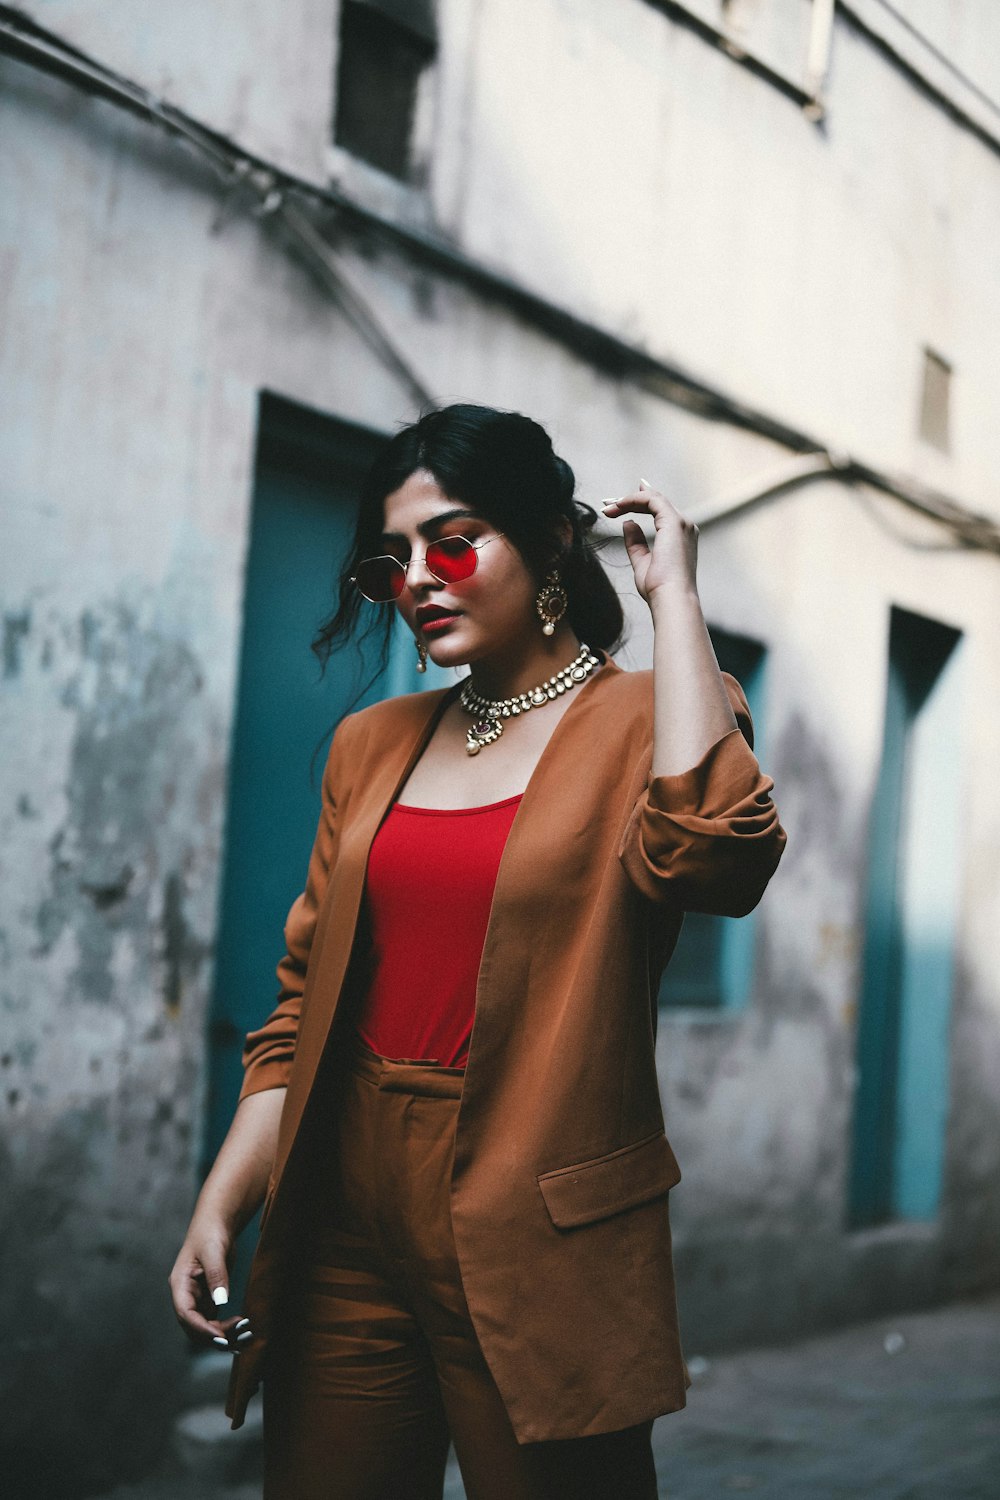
[(615, 163)]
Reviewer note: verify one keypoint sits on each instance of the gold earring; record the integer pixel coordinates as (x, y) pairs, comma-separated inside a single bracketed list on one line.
[(551, 601), (421, 656)]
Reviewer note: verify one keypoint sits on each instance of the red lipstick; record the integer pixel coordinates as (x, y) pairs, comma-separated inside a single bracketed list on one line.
[(437, 623), (435, 616)]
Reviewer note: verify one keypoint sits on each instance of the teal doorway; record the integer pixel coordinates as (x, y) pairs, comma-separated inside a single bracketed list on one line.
[(308, 471), (903, 1040)]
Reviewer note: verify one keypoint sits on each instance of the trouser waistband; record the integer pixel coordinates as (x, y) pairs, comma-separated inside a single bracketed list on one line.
[(406, 1075)]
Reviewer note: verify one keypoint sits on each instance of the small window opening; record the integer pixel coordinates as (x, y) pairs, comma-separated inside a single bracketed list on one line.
[(385, 45), (934, 400)]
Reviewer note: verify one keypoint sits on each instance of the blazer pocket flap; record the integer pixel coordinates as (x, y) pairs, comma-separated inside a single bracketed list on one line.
[(607, 1185)]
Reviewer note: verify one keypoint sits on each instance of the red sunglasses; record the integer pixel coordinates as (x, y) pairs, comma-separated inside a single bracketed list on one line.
[(449, 560)]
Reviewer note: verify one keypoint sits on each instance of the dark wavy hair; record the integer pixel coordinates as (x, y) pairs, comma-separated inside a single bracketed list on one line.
[(502, 465)]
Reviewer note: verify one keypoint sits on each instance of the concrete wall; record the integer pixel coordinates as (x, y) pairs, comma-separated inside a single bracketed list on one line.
[(610, 160)]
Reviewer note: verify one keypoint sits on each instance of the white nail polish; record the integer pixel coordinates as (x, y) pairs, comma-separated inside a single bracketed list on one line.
[(241, 1338), (220, 1295), (222, 1343), (243, 1323)]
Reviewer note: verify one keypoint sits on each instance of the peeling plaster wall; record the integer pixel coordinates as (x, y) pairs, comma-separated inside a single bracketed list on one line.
[(138, 329), (135, 344), (603, 155), (110, 840)]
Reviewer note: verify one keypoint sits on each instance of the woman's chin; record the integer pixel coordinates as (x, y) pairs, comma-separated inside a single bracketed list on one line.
[(448, 654)]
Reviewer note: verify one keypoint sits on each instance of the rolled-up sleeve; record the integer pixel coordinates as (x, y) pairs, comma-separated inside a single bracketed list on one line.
[(269, 1051), (708, 839)]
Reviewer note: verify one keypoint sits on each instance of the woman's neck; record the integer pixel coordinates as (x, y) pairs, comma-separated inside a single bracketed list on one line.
[(521, 668)]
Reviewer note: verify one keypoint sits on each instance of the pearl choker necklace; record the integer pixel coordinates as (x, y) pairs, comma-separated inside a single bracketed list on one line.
[(489, 715)]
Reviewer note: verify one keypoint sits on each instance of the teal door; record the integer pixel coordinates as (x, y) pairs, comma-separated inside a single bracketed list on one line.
[(308, 470), (903, 1045)]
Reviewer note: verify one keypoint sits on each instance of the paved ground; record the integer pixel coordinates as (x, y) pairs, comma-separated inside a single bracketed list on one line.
[(903, 1410), (907, 1409)]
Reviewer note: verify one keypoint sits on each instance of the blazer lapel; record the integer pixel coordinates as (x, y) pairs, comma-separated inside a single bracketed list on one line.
[(386, 767), (547, 809)]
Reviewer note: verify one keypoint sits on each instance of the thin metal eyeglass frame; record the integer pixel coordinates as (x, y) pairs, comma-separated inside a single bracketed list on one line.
[(404, 567)]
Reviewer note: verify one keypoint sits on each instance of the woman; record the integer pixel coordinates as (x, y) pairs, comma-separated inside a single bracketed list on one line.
[(465, 1229)]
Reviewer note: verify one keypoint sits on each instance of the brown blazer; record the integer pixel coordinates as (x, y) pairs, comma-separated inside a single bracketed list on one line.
[(562, 1168)]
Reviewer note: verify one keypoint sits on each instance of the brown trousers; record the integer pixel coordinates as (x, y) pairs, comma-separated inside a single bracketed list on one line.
[(378, 1364)]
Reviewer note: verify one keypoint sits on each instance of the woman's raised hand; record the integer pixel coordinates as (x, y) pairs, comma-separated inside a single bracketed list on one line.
[(672, 561)]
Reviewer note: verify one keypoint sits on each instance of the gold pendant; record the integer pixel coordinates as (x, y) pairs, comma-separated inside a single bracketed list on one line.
[(483, 732)]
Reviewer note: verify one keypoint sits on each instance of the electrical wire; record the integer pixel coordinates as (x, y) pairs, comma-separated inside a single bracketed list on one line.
[(277, 197), (939, 56)]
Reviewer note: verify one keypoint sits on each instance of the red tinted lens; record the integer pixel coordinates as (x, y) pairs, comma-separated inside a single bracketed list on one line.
[(381, 579), (451, 559)]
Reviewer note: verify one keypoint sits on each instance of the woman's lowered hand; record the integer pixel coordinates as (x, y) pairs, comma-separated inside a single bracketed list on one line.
[(232, 1193), (199, 1284)]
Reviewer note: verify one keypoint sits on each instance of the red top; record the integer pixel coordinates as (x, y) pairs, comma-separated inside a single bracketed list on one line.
[(429, 888)]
